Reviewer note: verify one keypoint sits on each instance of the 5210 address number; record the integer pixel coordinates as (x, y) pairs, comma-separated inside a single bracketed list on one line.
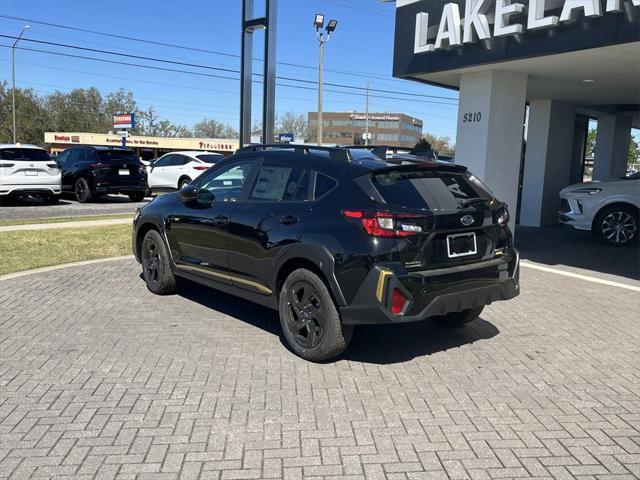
[(472, 117)]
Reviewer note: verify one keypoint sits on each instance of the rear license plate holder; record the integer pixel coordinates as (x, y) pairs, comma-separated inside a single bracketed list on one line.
[(31, 173), (462, 245), (124, 171)]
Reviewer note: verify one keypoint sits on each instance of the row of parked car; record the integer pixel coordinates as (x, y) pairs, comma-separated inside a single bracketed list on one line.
[(90, 172)]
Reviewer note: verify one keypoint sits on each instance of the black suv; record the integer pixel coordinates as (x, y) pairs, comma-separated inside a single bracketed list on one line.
[(90, 172), (332, 238)]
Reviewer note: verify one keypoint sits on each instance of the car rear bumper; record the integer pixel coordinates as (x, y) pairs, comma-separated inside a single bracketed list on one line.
[(53, 189), (434, 292)]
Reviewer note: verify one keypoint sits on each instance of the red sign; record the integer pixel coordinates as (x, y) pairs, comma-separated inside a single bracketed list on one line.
[(124, 120)]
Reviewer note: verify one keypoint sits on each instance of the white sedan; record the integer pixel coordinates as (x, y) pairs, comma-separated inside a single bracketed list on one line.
[(175, 170), (609, 209)]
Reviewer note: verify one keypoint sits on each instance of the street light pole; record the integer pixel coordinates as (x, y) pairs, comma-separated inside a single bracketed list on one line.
[(320, 79), (13, 75), (322, 39)]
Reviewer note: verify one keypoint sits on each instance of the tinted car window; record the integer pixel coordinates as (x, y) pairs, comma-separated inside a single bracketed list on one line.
[(226, 182), (164, 161), (109, 155), (324, 185), (277, 183), (24, 154), (62, 158), (418, 189), (180, 160), (209, 158)]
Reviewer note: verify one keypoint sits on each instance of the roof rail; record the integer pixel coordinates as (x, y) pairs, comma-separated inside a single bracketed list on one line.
[(336, 153)]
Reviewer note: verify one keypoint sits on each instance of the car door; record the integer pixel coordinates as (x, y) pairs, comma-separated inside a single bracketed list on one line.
[(199, 234), (268, 220), (157, 177), (69, 167)]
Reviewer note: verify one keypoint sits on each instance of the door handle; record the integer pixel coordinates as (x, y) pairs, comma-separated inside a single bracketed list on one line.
[(289, 219), (221, 220)]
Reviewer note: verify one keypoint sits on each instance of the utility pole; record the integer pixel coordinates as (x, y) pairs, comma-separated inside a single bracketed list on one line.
[(331, 26), (366, 121), (13, 75)]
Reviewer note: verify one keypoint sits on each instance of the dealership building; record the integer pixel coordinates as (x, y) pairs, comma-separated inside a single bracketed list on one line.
[(350, 128), (145, 147), (531, 75)]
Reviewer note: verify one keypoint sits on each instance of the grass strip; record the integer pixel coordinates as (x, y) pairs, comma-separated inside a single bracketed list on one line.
[(79, 218), (25, 250)]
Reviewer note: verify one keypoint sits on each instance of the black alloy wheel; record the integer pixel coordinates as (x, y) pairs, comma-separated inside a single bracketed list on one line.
[(310, 320), (155, 264), (82, 191), (305, 315)]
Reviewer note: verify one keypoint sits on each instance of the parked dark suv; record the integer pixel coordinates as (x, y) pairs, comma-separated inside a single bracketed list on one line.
[(332, 238), (90, 172)]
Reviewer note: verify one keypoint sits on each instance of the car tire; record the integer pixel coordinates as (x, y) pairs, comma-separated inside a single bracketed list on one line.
[(82, 191), (183, 182), (156, 268), (617, 225), (136, 196), (309, 318), (458, 319)]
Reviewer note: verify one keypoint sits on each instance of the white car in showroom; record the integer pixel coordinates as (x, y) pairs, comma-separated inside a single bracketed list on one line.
[(609, 209), (28, 170), (175, 170)]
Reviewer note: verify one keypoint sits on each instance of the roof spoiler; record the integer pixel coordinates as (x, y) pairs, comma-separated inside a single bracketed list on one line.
[(336, 153)]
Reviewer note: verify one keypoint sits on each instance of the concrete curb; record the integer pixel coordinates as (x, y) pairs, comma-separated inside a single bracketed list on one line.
[(53, 226), (52, 268)]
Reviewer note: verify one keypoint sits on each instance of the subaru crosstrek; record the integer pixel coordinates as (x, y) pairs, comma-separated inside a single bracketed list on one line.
[(333, 238)]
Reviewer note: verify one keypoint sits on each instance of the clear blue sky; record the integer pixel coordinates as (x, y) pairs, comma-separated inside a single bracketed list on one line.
[(361, 49)]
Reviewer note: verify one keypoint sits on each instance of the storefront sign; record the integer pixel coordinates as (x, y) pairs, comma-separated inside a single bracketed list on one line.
[(134, 141), (359, 116), (124, 120), (480, 16)]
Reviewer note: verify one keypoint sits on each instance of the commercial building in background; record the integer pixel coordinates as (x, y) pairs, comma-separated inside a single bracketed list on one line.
[(396, 129), (569, 61), (146, 148)]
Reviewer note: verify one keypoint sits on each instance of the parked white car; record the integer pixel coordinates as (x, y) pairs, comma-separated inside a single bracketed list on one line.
[(28, 170), (175, 170), (609, 209)]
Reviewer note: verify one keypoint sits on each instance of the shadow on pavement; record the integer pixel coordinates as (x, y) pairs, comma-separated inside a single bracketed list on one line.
[(379, 344), (561, 245)]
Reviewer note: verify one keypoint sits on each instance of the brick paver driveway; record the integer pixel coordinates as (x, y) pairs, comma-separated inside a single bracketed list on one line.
[(99, 378)]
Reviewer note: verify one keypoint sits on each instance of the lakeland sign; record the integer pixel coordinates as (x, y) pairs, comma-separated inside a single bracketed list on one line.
[(441, 35)]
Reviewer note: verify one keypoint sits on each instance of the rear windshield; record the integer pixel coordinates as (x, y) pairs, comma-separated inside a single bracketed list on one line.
[(209, 158), (109, 155), (24, 154), (428, 189)]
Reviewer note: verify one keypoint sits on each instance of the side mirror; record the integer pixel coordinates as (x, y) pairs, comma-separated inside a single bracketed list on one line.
[(192, 196)]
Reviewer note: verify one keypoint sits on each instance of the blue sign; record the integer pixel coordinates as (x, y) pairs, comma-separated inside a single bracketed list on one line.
[(286, 137)]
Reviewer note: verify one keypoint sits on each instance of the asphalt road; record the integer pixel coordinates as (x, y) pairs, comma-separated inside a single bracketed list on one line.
[(99, 378), (33, 208)]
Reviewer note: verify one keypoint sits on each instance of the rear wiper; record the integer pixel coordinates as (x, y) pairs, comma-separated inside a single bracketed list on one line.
[(472, 201)]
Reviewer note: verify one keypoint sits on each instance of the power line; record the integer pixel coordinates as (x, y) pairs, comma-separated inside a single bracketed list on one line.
[(202, 74), (219, 69), (195, 49)]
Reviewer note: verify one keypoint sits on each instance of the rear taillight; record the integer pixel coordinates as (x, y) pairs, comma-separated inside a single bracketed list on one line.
[(385, 224), (201, 168), (398, 302), (6, 165)]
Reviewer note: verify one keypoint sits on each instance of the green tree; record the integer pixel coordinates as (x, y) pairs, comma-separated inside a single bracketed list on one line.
[(31, 116), (632, 156), (591, 143), (439, 144)]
